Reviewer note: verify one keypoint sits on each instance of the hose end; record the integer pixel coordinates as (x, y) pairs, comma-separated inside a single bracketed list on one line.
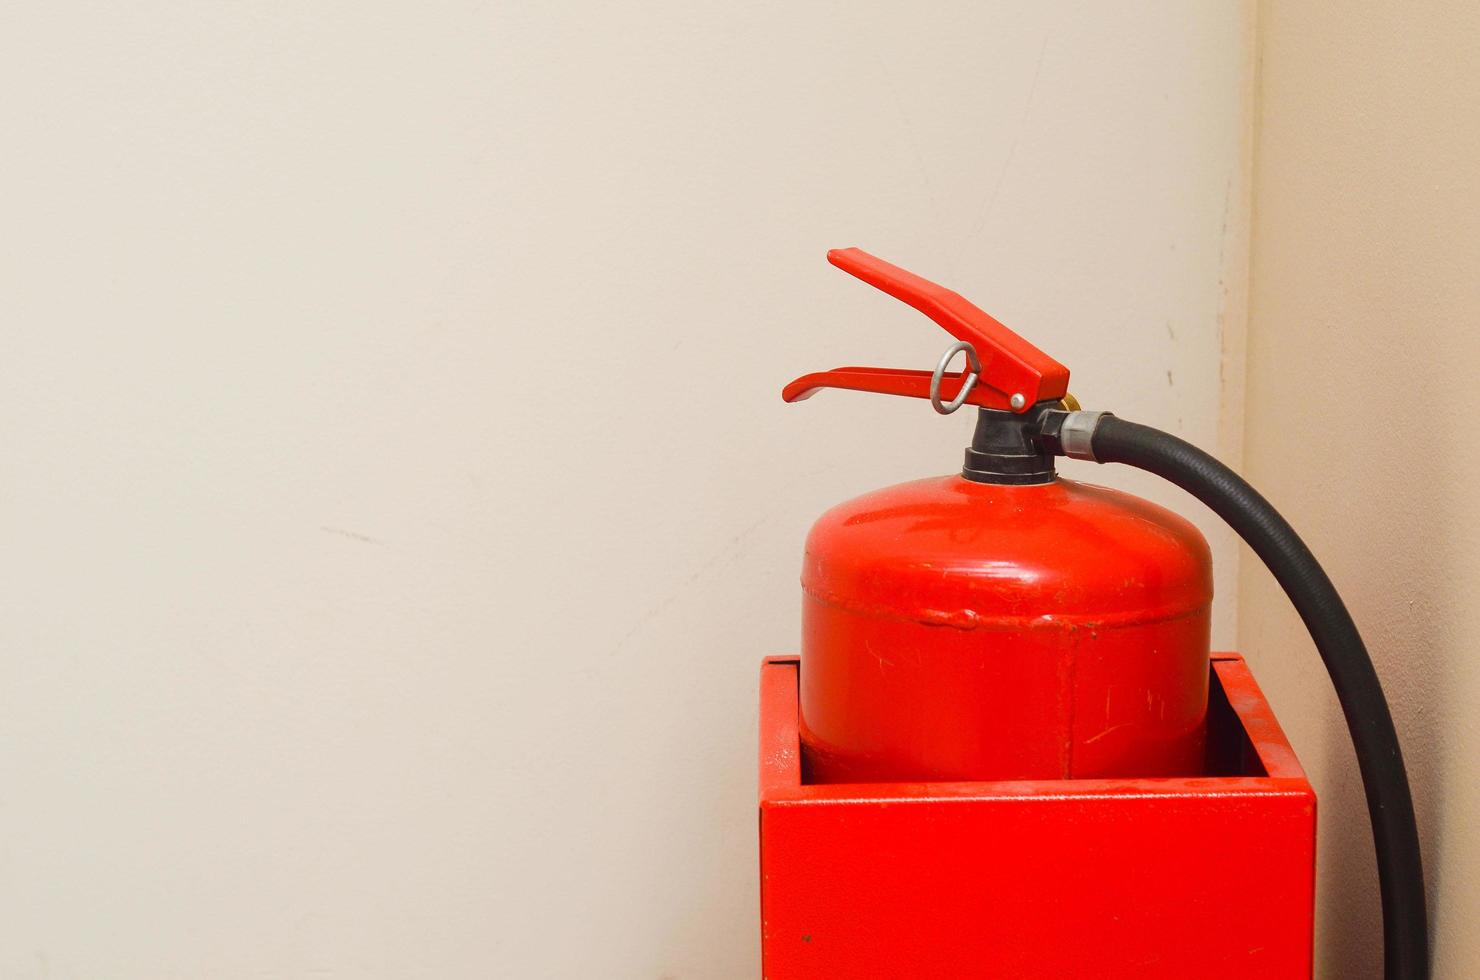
[(1072, 434)]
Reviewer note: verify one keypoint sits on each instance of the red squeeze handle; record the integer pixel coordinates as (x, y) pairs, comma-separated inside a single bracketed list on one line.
[(1010, 365)]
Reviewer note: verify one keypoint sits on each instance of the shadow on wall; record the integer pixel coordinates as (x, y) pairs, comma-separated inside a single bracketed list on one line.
[(1402, 559)]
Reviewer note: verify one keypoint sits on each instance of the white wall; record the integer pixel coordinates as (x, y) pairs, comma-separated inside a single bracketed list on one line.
[(1361, 391), (395, 495)]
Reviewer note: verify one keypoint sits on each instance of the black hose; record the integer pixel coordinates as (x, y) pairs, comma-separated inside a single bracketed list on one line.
[(1394, 831)]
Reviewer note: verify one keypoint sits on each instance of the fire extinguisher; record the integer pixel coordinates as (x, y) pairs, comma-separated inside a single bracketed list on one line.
[(1007, 623)]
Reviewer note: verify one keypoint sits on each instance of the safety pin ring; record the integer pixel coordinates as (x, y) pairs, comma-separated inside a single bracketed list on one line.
[(972, 361)]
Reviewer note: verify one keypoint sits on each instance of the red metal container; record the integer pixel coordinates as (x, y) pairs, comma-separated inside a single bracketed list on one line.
[(1208, 876), (955, 630)]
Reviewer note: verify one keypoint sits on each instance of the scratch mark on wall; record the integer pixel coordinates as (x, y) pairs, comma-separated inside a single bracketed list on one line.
[(352, 535), (732, 549), (986, 213)]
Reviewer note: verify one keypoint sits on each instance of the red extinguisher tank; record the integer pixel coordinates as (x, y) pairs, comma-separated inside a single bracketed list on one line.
[(957, 630), (1002, 624)]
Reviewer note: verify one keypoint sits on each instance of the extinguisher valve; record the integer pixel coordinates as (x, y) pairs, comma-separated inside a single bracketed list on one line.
[(1026, 417), (1004, 371), (1012, 448)]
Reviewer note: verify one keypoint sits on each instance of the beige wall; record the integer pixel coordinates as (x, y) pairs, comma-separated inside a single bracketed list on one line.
[(395, 496), (1363, 348)]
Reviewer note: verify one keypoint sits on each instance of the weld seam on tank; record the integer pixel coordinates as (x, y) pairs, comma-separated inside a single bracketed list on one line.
[(977, 622)]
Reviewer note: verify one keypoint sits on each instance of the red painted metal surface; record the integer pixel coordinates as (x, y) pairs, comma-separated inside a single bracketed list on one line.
[(960, 630), (1010, 365), (1208, 876)]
